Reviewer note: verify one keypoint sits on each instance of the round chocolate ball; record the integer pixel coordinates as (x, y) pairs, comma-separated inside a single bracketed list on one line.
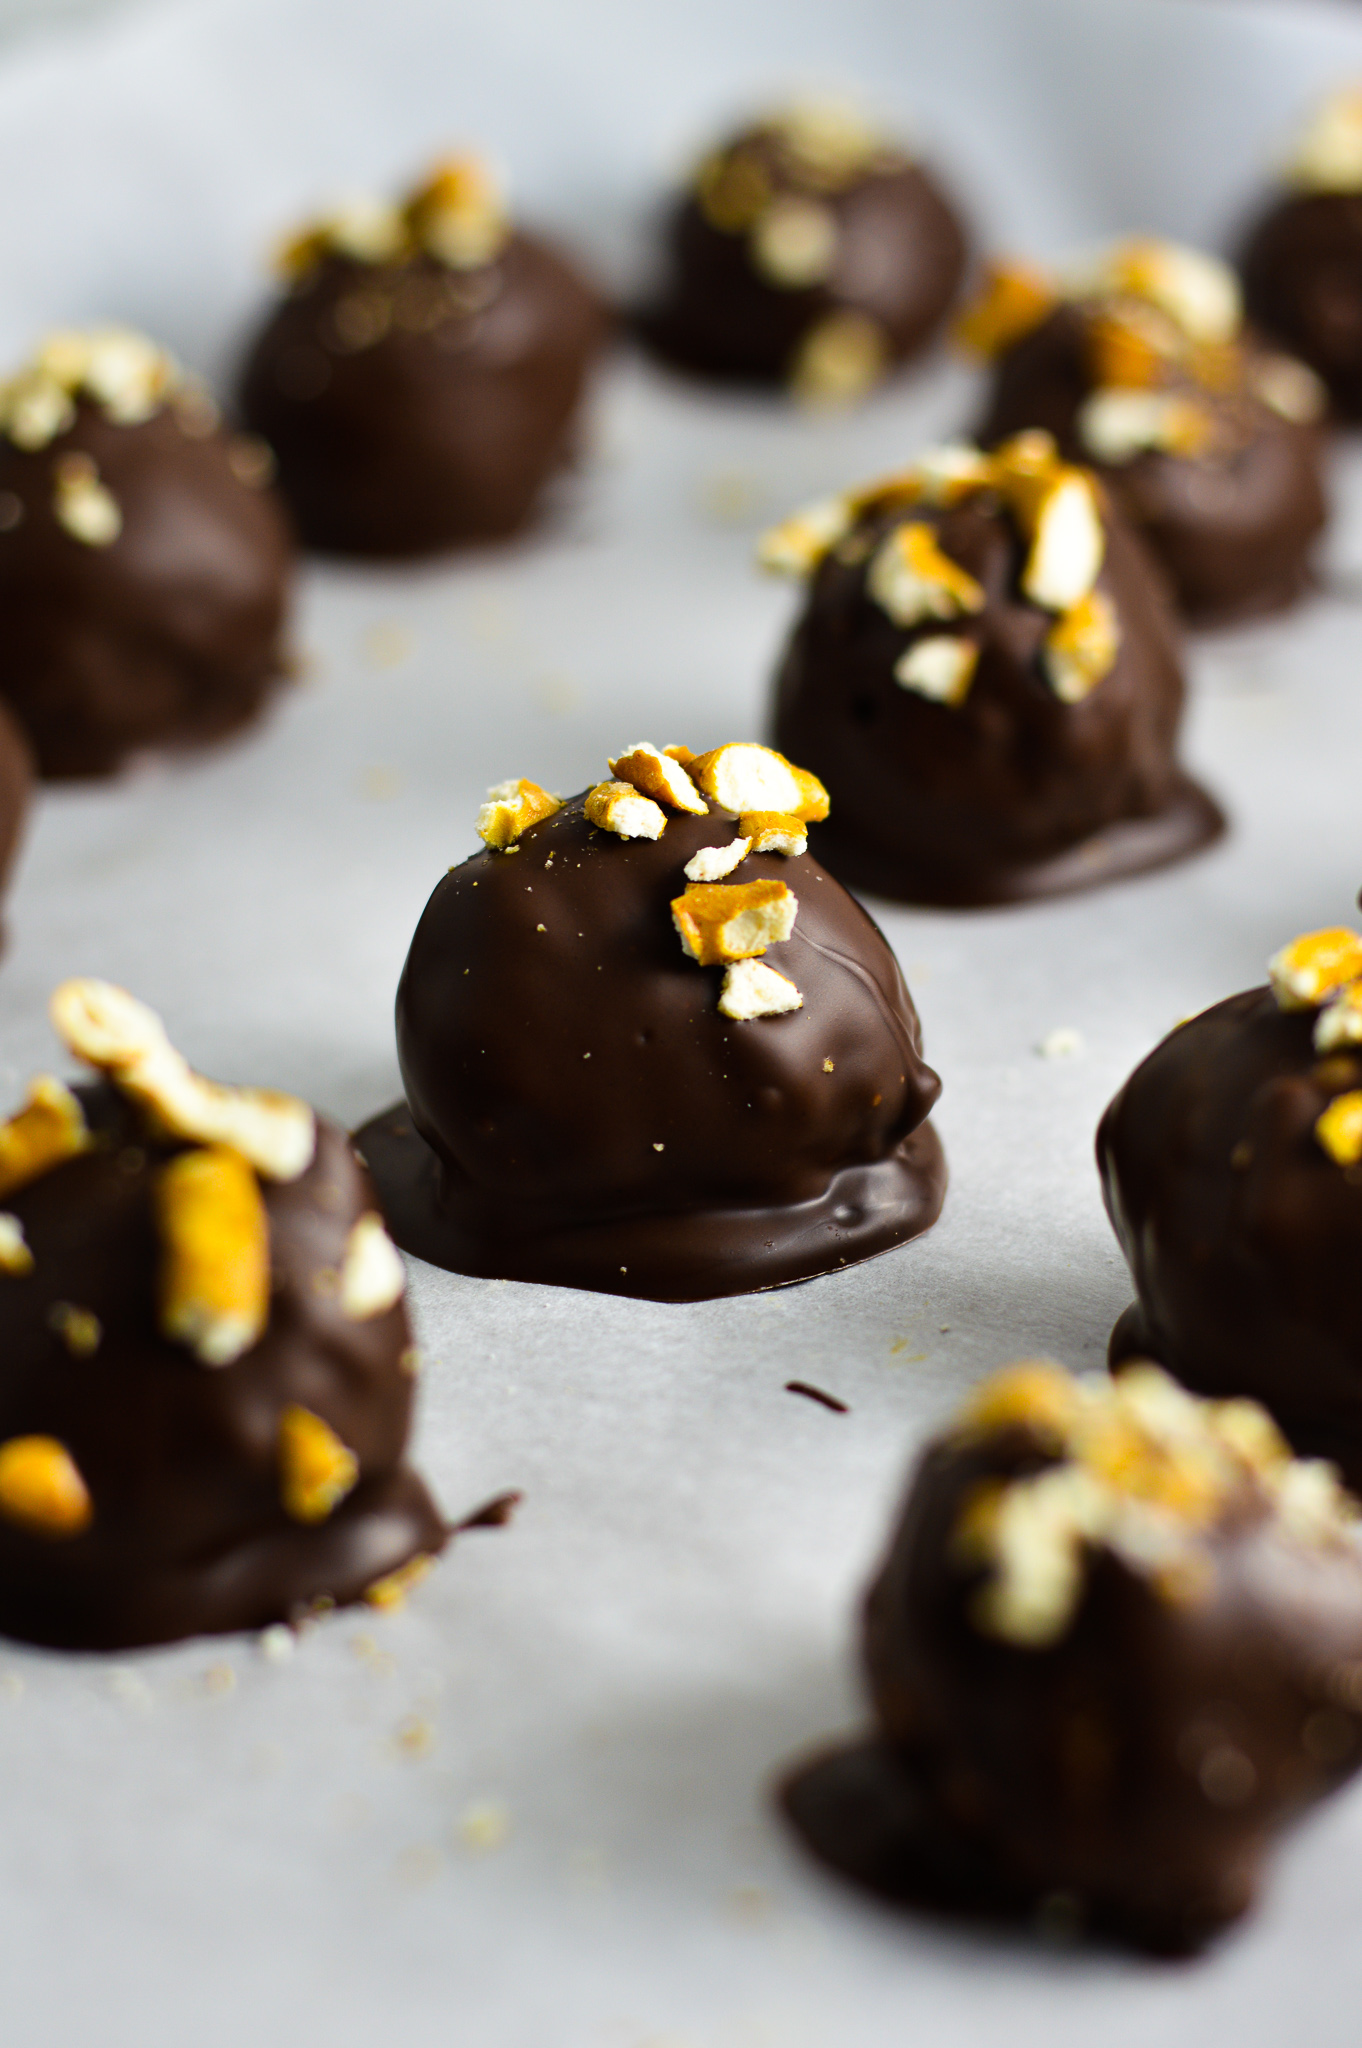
[(986, 676), (668, 1064), (1209, 443), (206, 1377), (145, 563), (1302, 261), (1112, 1651), (808, 252), (422, 380), (1231, 1165)]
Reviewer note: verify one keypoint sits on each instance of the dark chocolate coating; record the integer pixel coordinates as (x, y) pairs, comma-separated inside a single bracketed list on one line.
[(1241, 1233), (1233, 533), (545, 1068), (1012, 794), (16, 788), (900, 258), (171, 634), (1068, 1781), (189, 1535), (444, 429), (1302, 271)]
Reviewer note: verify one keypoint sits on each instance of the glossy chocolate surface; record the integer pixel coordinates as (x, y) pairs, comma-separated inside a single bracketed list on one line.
[(413, 407), (1241, 1233), (1302, 270), (170, 634), (1234, 530), (1126, 1779), (189, 1534), (900, 259), (580, 1112), (1013, 794), (16, 788)]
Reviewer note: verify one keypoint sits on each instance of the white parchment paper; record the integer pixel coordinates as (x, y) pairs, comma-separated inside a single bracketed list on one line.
[(531, 1811)]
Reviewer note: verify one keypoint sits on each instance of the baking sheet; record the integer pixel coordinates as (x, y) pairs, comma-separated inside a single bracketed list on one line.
[(530, 1811)]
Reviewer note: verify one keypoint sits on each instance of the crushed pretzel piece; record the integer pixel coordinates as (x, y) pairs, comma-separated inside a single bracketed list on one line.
[(1115, 426), (1339, 1128), (744, 777), (752, 989), (1128, 347), (712, 863), (774, 832), (732, 189), (1199, 292), (841, 357), (127, 376), (828, 140), (1328, 157), (50, 1127), (41, 1488), (390, 1592), (457, 215), (15, 1257), (111, 1030), (510, 809), (78, 1329), (940, 667), (1339, 1023), (82, 505), (316, 1470), (1314, 965), (373, 1278), (660, 776), (619, 807), (722, 921), (1033, 1393), (1289, 388), (912, 578), (1081, 647), (685, 755), (798, 544), (1013, 301), (214, 1280), (1057, 509), (793, 243)]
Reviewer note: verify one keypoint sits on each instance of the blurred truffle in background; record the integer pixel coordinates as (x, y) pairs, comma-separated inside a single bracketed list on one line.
[(1302, 261), (145, 561), (808, 251), (420, 381), (1139, 363)]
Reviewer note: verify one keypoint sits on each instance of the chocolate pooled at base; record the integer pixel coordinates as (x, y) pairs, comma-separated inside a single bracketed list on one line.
[(421, 382), (206, 1378), (1231, 1166), (145, 564), (581, 1111), (1302, 261), (808, 252), (1115, 1647), (1209, 443), (991, 726)]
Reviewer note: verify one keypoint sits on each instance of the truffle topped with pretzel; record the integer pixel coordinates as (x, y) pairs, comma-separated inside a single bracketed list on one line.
[(206, 1372)]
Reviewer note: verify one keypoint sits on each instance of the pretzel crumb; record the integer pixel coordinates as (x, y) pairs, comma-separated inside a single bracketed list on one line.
[(712, 863), (510, 809), (659, 776), (751, 990), (316, 1470), (1013, 300), (41, 1488), (940, 667), (1313, 966), (372, 1276), (391, 1591), (618, 807), (214, 1279), (773, 832), (49, 1128), (1081, 647), (15, 1257), (724, 921), (1339, 1128)]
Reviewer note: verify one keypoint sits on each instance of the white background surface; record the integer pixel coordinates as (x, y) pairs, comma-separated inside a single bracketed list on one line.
[(197, 1846)]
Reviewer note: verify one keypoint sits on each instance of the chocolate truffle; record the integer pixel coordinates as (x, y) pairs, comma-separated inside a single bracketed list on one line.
[(652, 1054), (1116, 1644), (421, 381), (987, 678), (1302, 262), (808, 252), (1231, 1164), (1140, 365), (145, 563), (205, 1376)]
